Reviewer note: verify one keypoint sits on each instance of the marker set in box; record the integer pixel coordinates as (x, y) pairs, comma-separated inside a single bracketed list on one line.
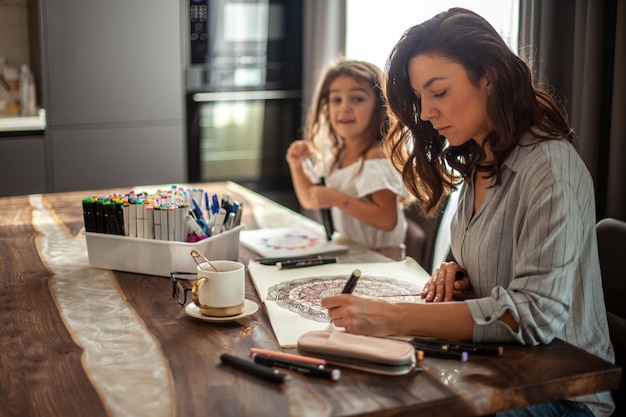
[(172, 215)]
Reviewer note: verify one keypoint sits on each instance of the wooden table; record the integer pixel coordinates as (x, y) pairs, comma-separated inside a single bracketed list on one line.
[(77, 340)]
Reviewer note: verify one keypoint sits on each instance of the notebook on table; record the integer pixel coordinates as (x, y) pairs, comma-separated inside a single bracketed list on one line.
[(286, 242)]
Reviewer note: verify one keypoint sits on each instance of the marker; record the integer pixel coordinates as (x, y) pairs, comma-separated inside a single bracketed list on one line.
[(238, 215), (126, 211), (215, 207), (254, 369), (305, 263), (274, 261), (218, 226), (327, 217), (351, 283), (440, 353), (195, 228), (303, 368), (197, 209), (232, 215), (477, 348), (291, 356), (308, 162)]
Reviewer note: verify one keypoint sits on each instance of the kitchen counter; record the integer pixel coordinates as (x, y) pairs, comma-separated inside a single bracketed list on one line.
[(23, 124)]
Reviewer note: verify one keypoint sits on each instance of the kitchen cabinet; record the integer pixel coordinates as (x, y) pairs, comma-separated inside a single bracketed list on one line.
[(22, 165), (113, 79)]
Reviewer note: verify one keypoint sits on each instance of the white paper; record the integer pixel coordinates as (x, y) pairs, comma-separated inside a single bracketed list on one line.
[(288, 325), (288, 242)]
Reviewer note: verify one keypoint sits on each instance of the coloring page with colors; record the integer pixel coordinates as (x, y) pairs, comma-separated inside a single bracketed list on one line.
[(292, 297), (288, 242)]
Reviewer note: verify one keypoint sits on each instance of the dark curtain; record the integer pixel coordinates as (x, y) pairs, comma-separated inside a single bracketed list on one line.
[(324, 41), (578, 49)]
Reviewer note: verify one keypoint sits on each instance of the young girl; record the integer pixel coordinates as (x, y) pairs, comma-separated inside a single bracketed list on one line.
[(346, 123)]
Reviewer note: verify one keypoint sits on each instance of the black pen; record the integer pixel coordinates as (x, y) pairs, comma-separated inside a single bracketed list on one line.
[(351, 283), (252, 368), (433, 352), (327, 217), (304, 263), (325, 214), (274, 261), (304, 368), (477, 348)]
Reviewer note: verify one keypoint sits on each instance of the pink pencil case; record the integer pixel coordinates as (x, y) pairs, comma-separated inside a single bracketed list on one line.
[(366, 353)]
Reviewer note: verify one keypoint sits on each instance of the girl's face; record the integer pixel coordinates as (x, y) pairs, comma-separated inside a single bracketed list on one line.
[(351, 105), (454, 106)]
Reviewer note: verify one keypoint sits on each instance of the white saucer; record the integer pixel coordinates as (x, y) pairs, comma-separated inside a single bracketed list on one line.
[(250, 307)]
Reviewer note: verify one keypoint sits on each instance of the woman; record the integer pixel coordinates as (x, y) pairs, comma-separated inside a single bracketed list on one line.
[(523, 236)]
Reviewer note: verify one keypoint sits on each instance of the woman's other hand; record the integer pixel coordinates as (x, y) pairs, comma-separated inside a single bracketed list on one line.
[(448, 280)]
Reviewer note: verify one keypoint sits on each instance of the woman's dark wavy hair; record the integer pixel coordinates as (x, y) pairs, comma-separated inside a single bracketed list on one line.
[(514, 105), (318, 122)]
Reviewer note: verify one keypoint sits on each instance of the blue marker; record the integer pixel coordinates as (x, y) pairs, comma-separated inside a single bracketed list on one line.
[(207, 205), (234, 208), (199, 217), (197, 209), (215, 208)]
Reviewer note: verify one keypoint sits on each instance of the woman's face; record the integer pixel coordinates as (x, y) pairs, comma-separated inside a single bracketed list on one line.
[(351, 104), (454, 106)]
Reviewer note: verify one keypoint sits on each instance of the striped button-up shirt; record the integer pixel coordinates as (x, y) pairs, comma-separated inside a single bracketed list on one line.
[(531, 248)]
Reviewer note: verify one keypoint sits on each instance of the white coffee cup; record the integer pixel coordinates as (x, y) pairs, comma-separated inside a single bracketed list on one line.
[(221, 293)]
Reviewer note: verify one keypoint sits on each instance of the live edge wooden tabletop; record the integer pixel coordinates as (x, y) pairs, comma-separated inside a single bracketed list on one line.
[(76, 340)]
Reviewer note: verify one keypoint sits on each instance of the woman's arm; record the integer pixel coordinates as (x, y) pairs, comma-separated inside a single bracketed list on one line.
[(375, 317)]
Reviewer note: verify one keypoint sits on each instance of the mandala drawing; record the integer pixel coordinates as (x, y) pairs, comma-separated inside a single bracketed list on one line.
[(303, 296)]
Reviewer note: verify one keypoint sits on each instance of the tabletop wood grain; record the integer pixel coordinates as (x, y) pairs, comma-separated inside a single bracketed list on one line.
[(43, 367)]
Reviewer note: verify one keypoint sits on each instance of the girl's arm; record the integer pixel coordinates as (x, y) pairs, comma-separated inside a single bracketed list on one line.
[(380, 212)]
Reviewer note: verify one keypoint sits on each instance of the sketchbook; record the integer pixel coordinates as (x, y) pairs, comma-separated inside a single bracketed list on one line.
[(287, 242), (292, 297)]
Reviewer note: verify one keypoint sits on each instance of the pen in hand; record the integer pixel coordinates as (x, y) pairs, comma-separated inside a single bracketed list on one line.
[(351, 283), (327, 218)]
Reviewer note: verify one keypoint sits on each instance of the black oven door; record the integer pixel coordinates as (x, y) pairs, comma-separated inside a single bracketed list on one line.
[(242, 136)]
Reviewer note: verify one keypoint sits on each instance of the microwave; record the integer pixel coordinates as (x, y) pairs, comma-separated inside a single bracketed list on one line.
[(244, 44)]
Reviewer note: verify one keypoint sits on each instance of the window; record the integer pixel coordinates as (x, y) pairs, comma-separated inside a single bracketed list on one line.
[(374, 26)]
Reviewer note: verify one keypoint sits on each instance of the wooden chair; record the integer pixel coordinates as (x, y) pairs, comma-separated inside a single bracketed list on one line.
[(428, 239), (611, 243), (420, 237)]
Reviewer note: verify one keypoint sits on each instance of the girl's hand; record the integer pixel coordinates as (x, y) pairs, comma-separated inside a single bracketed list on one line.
[(447, 279), (322, 197), (360, 314), (297, 151)]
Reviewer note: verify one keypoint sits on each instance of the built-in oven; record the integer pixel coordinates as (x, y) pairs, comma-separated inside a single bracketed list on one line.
[(244, 89)]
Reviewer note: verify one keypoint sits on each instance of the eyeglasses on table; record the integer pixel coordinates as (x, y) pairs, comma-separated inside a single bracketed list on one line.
[(179, 287)]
